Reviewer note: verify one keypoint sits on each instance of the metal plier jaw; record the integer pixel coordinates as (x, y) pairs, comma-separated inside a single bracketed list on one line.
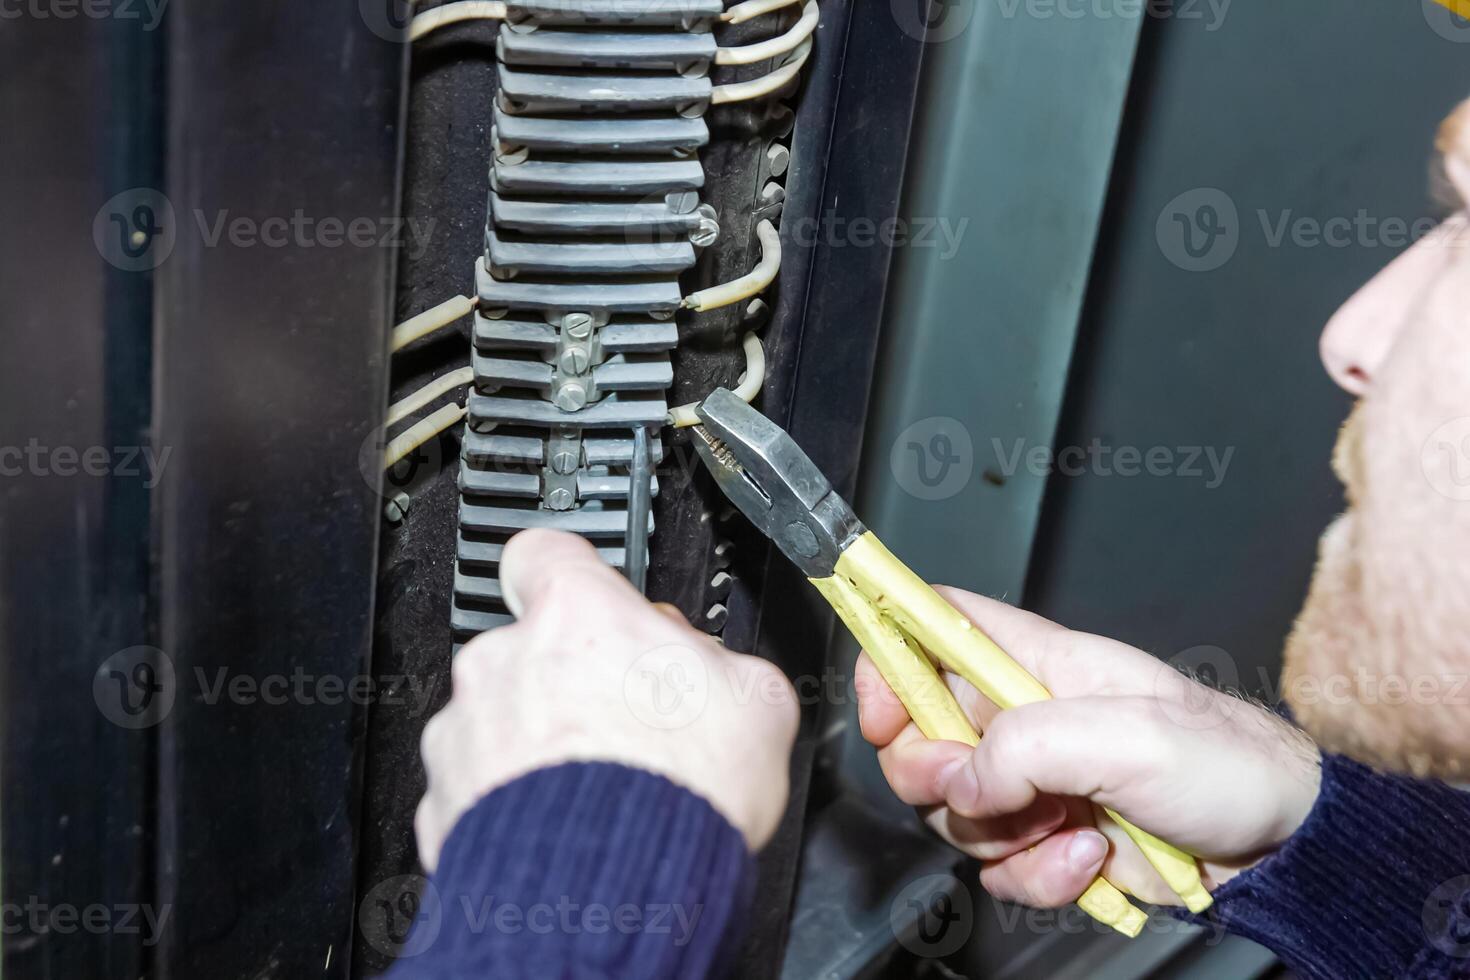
[(776, 485)]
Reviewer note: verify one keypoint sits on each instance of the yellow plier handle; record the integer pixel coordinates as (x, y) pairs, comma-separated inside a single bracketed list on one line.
[(884, 603), (893, 613)]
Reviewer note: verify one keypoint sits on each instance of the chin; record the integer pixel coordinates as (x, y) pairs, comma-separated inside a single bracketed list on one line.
[(1379, 695)]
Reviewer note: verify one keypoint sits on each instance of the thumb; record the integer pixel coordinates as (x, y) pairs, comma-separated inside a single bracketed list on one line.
[(541, 568), (1097, 747)]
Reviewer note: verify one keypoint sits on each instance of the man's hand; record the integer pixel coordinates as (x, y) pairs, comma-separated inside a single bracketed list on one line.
[(1214, 775), (592, 672)]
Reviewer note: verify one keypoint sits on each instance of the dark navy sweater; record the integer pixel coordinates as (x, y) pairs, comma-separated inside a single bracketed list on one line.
[(594, 870)]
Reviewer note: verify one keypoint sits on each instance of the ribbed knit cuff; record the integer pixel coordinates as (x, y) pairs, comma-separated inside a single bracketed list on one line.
[(1366, 888), (585, 870)]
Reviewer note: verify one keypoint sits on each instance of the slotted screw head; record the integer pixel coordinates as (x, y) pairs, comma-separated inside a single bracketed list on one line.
[(560, 499), (564, 463), (578, 325), (571, 397), (574, 360)]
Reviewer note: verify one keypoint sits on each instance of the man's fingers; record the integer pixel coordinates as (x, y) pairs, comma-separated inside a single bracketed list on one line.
[(1088, 747), (917, 769), (1053, 873), (998, 838), (540, 566), (881, 715), (1068, 663)]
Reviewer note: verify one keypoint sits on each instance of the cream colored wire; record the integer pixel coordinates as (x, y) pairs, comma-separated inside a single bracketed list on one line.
[(432, 319), (421, 432), (747, 285), (750, 9), (453, 13), (766, 84), (751, 53), (683, 416), (401, 410)]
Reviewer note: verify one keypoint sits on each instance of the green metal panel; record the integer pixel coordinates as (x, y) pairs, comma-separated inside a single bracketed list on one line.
[(1010, 170)]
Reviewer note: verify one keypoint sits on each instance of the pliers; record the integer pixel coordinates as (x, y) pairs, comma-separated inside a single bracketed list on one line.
[(907, 628)]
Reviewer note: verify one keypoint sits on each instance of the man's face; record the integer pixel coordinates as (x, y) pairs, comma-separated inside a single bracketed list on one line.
[(1378, 662)]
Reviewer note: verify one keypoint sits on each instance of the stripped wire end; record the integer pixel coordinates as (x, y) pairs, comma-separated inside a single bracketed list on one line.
[(721, 451)]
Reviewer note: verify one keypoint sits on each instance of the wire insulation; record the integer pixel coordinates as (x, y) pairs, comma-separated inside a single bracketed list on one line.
[(766, 84), (421, 432), (750, 9), (401, 410), (747, 285), (750, 384), (432, 319), (751, 53), (453, 13)]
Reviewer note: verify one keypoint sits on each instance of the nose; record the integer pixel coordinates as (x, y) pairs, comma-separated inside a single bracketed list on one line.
[(1360, 336)]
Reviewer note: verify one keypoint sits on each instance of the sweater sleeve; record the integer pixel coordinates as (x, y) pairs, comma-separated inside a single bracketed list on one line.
[(585, 871), (1375, 884)]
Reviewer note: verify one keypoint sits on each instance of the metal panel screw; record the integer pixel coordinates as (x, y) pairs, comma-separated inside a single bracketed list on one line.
[(564, 463), (560, 499), (571, 397), (778, 158), (397, 508), (574, 360), (578, 325)]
